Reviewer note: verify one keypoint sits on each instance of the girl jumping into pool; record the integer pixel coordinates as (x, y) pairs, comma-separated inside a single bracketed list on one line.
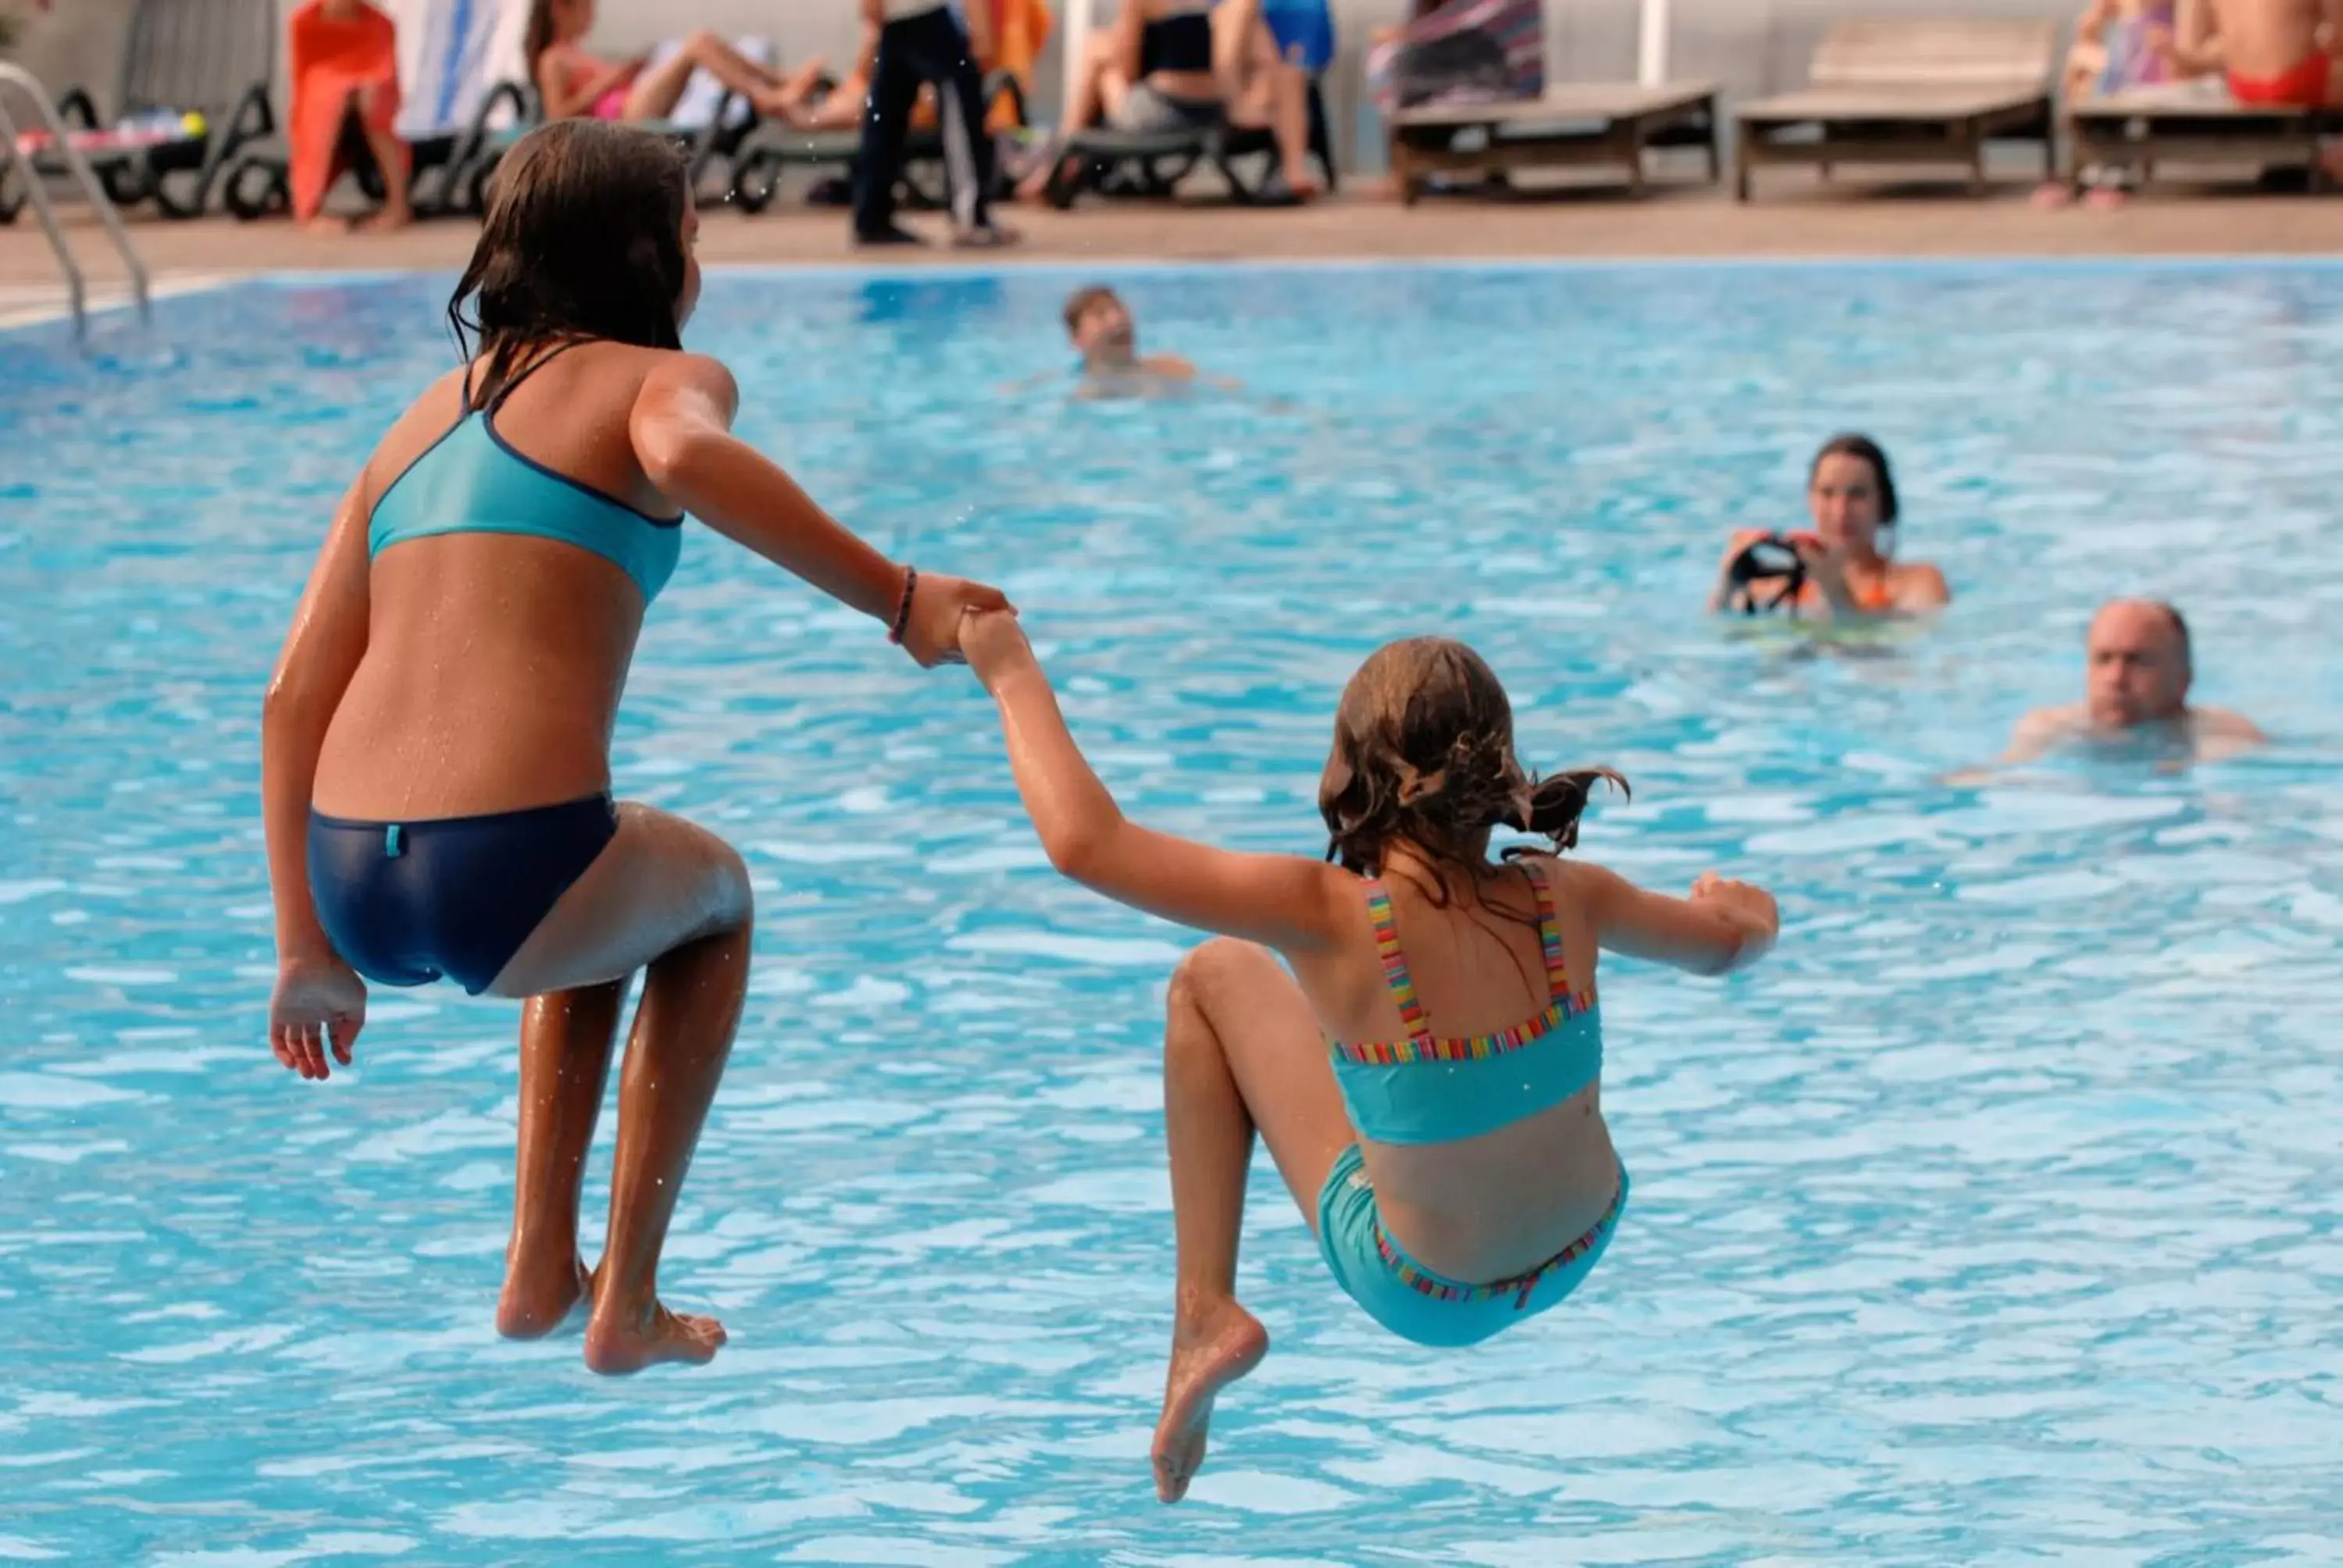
[(435, 765), (1427, 1076)]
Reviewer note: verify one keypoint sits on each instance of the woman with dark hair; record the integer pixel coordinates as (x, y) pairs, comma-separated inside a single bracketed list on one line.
[(570, 80), (436, 768), (1844, 568), (1460, 1181)]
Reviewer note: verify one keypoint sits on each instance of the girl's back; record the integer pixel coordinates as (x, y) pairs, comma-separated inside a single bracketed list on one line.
[(1495, 1202), (485, 615)]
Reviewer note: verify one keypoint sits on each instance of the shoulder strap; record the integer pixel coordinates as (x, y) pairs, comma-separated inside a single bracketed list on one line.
[(512, 382), (1395, 975), (1557, 973)]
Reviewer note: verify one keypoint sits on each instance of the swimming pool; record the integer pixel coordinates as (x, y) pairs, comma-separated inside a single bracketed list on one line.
[(1995, 1218)]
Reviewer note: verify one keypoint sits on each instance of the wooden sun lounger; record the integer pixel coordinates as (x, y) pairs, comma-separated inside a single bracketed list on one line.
[(1579, 124), (1887, 91), (2140, 130)]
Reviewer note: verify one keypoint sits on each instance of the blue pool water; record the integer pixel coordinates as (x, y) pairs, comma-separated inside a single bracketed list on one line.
[(1994, 1219)]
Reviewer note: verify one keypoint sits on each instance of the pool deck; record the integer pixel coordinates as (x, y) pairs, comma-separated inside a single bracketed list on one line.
[(1695, 222)]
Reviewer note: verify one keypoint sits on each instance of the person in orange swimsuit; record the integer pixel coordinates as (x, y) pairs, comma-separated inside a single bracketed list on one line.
[(1846, 574)]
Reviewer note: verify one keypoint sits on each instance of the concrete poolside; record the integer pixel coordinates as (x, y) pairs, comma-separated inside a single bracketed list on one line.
[(1790, 220)]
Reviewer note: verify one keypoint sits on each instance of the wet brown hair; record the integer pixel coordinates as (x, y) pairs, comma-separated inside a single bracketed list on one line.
[(1865, 451), (1079, 302), (583, 239), (1423, 753)]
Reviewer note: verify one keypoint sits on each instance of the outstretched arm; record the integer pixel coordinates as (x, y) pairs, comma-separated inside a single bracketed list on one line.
[(682, 432), (1723, 926), (1283, 901)]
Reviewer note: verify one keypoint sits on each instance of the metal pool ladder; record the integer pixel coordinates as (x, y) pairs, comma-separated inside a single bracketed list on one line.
[(61, 140)]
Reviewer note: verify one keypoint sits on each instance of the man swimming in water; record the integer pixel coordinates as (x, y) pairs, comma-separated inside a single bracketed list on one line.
[(1100, 326), (2138, 672)]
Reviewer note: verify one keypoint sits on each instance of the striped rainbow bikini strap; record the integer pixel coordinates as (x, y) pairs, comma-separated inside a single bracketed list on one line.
[(1395, 975), (1557, 973)]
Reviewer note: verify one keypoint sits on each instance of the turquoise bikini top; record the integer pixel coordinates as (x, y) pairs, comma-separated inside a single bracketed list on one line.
[(471, 482), (1426, 1089)]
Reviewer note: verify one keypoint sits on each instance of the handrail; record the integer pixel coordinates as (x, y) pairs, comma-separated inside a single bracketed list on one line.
[(61, 139)]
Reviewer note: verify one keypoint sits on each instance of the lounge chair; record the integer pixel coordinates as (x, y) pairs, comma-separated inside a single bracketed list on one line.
[(1917, 92), (1578, 124), (1150, 165), (450, 164), (2135, 131), (718, 142), (257, 183), (211, 58), (775, 148)]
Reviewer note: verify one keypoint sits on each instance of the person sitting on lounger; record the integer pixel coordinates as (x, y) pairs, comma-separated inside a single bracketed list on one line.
[(2120, 46), (2139, 670), (571, 82), (1842, 572), (1180, 64), (344, 68), (2280, 53)]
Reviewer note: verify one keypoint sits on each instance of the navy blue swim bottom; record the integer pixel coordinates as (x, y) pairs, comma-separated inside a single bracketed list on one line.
[(407, 903)]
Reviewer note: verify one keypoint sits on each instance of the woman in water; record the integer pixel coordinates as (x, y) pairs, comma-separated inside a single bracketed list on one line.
[(1427, 1076), (1849, 573), (570, 81), (436, 765)]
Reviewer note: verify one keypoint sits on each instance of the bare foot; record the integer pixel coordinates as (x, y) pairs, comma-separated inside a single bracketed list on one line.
[(1209, 1352), (618, 1342), (537, 1301), (2053, 194), (329, 223), (389, 218), (2106, 198)]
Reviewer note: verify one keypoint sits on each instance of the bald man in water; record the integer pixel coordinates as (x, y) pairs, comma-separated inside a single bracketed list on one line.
[(2139, 669)]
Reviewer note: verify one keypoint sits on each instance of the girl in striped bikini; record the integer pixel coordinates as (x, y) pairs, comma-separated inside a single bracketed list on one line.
[(1427, 1076)]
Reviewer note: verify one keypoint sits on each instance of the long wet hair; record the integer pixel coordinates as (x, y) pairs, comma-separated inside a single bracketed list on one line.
[(583, 239), (1424, 753)]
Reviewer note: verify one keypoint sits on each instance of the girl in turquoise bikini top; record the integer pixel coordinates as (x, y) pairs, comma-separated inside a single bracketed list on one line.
[(1458, 1176), (471, 481)]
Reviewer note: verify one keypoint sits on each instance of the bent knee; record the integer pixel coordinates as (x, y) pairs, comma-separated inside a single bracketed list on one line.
[(1211, 969), (734, 900)]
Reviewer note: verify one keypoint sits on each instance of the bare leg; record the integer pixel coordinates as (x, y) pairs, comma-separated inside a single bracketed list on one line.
[(674, 897), (1241, 1052), (566, 1040), (683, 1032), (391, 157), (1289, 107), (840, 111), (657, 90), (1099, 90)]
